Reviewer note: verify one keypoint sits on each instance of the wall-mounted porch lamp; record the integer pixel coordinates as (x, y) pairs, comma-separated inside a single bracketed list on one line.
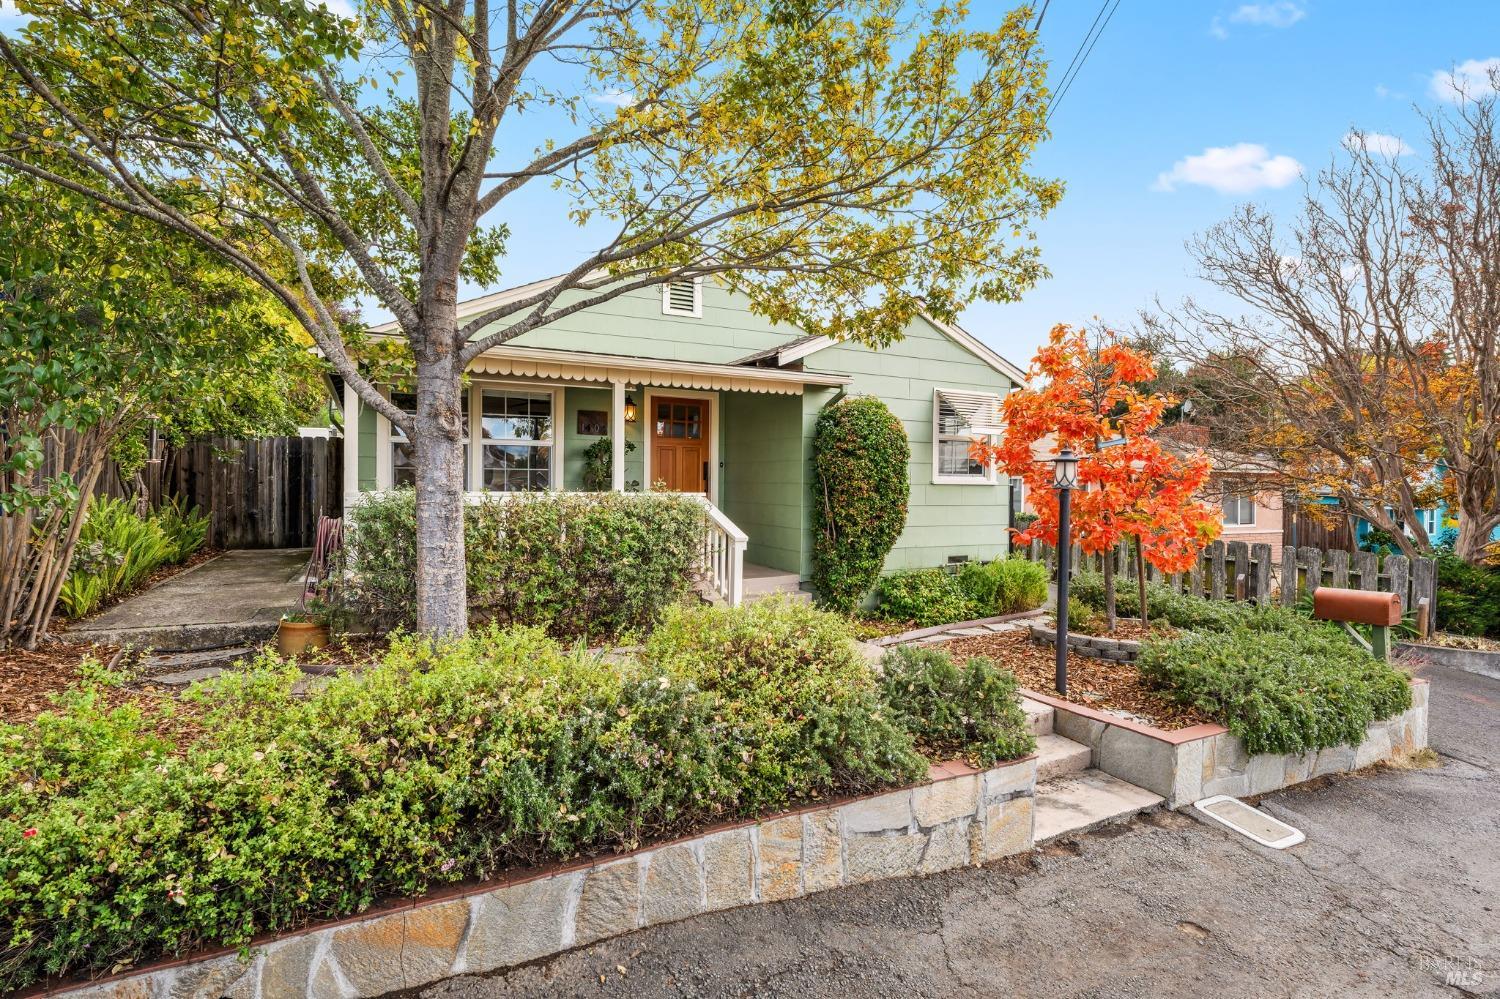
[(630, 413)]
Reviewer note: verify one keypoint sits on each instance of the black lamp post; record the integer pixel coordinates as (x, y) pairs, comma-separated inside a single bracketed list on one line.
[(1064, 480)]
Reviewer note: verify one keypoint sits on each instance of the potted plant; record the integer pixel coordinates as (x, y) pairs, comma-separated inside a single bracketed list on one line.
[(305, 629)]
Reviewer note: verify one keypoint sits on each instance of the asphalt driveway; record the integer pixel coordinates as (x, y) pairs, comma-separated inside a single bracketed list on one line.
[(1395, 893)]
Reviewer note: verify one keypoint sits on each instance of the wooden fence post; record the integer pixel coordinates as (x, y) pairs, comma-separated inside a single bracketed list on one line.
[(1338, 569), (1312, 558), (1288, 576), (1424, 587), (1260, 561), (1398, 568), (1216, 570), (1367, 567)]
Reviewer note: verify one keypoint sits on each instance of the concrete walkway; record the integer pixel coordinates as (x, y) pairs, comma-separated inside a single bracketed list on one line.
[(230, 600), (1395, 893)]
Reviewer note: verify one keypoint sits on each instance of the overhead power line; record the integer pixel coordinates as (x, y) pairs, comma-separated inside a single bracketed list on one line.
[(1082, 53)]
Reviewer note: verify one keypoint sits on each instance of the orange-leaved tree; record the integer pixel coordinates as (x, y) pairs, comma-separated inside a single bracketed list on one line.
[(1087, 395)]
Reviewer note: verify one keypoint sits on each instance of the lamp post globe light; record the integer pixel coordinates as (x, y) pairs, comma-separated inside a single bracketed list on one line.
[(1064, 480)]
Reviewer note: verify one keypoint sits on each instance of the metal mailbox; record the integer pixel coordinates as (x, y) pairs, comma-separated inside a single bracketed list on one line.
[(1357, 606)]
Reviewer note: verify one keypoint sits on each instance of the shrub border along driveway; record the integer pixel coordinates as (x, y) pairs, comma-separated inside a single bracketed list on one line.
[(962, 817), (1204, 760)]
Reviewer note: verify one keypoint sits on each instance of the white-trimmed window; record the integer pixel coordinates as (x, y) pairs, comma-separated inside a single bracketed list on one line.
[(517, 438), (1239, 510), (683, 297), (957, 418), (404, 452)]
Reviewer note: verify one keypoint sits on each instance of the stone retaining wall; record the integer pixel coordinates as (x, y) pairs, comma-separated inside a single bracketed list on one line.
[(963, 817), (1118, 649), (1204, 760)]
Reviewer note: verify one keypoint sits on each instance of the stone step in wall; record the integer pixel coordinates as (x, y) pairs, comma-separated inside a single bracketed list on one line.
[(962, 817)]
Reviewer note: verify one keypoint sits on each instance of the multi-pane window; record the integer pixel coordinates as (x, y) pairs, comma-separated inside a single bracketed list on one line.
[(516, 433), (953, 438), (677, 419), (404, 452), (1239, 510)]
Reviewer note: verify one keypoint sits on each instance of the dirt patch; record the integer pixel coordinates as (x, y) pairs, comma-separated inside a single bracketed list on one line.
[(1095, 683), (1128, 628), (30, 679)]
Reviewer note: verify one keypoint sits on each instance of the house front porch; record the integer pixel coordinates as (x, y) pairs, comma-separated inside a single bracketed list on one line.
[(736, 437)]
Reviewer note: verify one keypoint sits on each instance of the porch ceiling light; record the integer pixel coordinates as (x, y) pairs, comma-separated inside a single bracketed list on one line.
[(630, 413)]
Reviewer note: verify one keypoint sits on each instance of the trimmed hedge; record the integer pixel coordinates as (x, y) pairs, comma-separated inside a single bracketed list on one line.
[(860, 455), (446, 761), (971, 708), (595, 565), (924, 596), (1280, 682)]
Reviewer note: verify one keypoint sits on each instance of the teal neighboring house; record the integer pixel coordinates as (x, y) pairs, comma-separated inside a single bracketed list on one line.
[(721, 403)]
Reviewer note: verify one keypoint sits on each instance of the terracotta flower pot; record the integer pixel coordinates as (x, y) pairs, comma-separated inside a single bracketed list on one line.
[(296, 637)]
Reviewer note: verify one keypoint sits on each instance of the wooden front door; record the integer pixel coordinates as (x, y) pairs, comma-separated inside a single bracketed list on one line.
[(679, 444)]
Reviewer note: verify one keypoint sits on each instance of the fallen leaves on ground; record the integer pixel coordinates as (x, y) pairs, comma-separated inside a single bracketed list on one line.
[(1095, 683)]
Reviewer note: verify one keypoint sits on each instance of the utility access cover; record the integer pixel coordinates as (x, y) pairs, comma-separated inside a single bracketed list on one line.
[(1250, 822)]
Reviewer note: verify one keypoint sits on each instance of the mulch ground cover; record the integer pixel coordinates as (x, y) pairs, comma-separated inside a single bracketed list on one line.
[(31, 678), (1096, 683)]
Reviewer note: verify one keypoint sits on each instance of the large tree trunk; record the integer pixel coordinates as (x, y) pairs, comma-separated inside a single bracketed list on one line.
[(442, 596)]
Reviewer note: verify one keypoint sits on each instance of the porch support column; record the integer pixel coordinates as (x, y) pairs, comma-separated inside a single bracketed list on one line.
[(617, 436), (351, 447)]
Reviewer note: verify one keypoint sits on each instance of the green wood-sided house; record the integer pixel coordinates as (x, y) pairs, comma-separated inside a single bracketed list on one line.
[(719, 402)]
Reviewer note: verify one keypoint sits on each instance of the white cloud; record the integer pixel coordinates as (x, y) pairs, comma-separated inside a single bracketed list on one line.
[(1470, 79), (1281, 14), (1378, 143), (1237, 169), (616, 98), (10, 17)]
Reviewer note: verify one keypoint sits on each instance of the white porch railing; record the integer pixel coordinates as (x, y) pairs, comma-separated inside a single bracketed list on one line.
[(723, 555)]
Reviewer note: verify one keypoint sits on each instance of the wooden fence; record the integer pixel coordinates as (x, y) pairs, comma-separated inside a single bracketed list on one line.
[(266, 493), (259, 493), (1237, 571)]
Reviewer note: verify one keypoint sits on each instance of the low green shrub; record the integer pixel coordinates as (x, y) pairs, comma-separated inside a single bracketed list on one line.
[(1280, 682), (577, 565), (1005, 585), (1180, 610), (800, 709), (1468, 597), (923, 596), (447, 760), (971, 708), (118, 549)]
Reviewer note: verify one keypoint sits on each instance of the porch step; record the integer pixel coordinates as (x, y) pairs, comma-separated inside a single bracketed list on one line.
[(1039, 716), (1058, 757), (1086, 800)]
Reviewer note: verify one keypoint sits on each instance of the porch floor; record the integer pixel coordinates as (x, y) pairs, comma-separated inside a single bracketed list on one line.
[(762, 581)]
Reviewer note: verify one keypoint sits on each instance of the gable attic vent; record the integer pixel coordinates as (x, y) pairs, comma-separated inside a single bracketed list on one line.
[(682, 297)]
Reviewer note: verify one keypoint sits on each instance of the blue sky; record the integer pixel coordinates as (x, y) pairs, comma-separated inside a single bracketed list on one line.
[(1171, 80), (1184, 109)]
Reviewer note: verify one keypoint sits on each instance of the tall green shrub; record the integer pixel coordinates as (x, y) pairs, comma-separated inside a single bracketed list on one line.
[(925, 597), (860, 454), (1468, 598), (576, 565), (1005, 585)]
